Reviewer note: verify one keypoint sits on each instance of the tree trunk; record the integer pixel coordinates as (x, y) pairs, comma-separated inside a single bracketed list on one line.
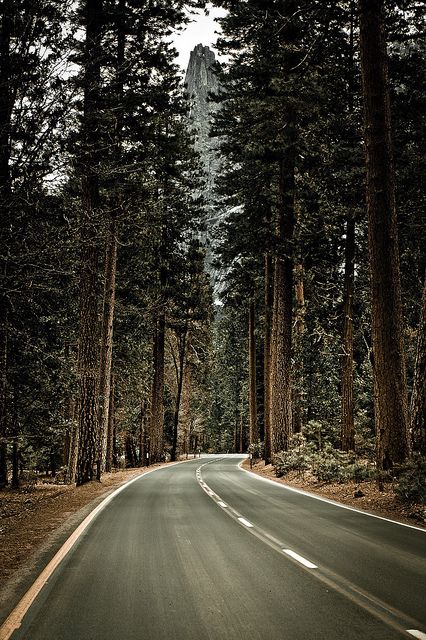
[(110, 430), (88, 366), (347, 433), (281, 378), (390, 389), (186, 399), (300, 329), (418, 396), (106, 343), (111, 252), (181, 341), (142, 433), (15, 463), (157, 398), (268, 275), (73, 448), (15, 444), (253, 429), (241, 434), (130, 451)]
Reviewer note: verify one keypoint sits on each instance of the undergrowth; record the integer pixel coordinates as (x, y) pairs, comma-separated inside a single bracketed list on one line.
[(329, 464)]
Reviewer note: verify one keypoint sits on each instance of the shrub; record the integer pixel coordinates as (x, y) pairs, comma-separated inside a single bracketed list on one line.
[(329, 465), (411, 484), (257, 450), (298, 458)]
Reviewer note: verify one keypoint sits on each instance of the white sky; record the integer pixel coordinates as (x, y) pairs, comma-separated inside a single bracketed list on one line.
[(200, 31)]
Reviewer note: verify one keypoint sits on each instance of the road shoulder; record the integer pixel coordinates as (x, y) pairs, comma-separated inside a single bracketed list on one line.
[(383, 504)]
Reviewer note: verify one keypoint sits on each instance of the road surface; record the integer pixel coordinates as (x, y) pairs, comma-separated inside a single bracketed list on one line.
[(206, 551)]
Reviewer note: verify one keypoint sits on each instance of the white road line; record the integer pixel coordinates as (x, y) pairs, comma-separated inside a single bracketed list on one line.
[(245, 522), (221, 504), (334, 502), (417, 634), (301, 559)]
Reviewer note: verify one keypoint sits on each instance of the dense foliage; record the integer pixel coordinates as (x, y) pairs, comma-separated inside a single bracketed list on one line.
[(111, 350), (292, 90)]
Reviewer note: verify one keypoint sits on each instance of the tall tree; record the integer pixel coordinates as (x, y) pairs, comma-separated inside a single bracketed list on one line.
[(89, 161), (418, 396), (253, 429), (282, 320), (390, 390)]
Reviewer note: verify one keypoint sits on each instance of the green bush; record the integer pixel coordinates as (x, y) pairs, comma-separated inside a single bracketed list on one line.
[(411, 484), (298, 458), (360, 471), (328, 465), (257, 450)]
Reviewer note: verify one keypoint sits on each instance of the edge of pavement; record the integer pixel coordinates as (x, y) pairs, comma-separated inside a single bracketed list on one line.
[(22, 589)]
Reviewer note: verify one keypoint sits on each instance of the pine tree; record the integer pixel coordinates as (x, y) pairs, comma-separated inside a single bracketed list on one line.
[(390, 391)]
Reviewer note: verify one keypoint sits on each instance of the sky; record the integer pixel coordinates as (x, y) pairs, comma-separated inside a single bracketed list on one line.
[(200, 31)]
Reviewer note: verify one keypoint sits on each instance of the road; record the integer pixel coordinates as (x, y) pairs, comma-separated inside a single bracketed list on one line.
[(204, 550)]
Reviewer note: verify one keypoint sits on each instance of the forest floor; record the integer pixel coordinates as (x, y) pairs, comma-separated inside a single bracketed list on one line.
[(382, 503), (36, 518)]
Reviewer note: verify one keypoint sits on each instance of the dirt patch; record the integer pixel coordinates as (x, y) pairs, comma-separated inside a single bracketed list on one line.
[(33, 519), (369, 498)]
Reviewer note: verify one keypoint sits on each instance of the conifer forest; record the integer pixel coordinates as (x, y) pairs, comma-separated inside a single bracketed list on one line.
[(238, 271)]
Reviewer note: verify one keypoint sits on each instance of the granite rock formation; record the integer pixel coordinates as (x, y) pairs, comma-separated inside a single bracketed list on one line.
[(200, 83)]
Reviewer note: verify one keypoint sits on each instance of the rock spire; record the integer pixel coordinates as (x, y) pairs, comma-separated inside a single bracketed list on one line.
[(200, 83)]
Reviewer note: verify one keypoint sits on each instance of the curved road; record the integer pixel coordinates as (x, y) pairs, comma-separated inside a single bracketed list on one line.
[(204, 550)]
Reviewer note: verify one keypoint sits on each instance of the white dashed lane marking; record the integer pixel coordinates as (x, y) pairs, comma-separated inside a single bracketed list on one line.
[(245, 522), (307, 564), (301, 559)]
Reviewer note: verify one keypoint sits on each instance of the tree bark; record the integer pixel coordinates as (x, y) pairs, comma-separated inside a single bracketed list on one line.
[(268, 275), (180, 372), (109, 450), (142, 433), (88, 366), (73, 448), (107, 343), (281, 374), (111, 251), (299, 331), (347, 433), (253, 429), (390, 389), (418, 396), (157, 397)]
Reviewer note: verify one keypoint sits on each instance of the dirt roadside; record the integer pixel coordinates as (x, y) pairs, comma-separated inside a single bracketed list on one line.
[(384, 504)]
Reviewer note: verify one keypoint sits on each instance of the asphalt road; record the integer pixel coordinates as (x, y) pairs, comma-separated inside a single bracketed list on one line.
[(204, 550)]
